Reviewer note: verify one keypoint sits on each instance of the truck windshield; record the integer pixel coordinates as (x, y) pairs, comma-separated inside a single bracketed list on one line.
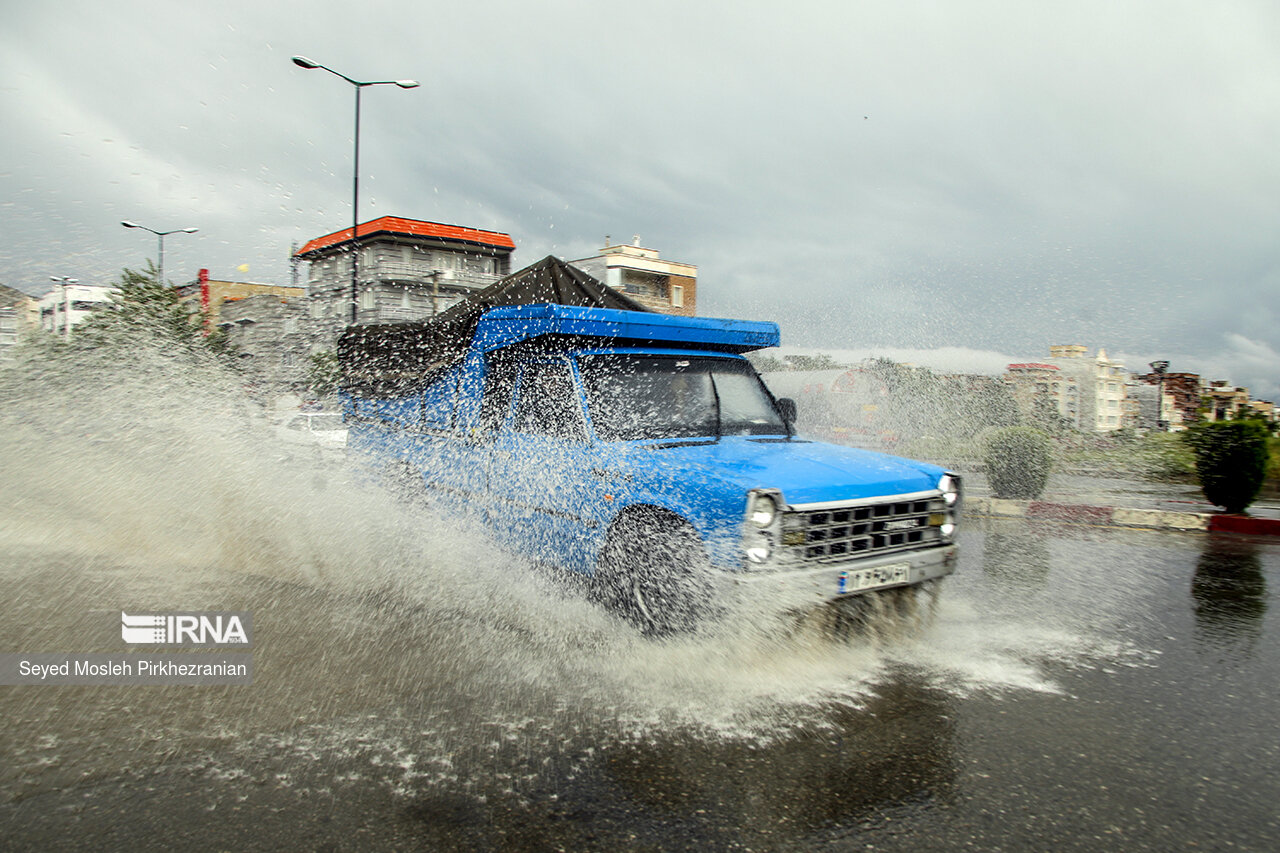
[(641, 397)]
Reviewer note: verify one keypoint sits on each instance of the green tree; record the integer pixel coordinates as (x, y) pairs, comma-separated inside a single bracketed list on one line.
[(1231, 461), (324, 372), (818, 361), (1254, 415), (766, 363), (143, 311), (1018, 460)]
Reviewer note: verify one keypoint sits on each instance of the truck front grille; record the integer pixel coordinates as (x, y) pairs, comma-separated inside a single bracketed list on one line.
[(843, 532)]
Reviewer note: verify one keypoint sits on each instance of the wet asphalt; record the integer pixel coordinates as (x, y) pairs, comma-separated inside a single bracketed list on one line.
[(1071, 688)]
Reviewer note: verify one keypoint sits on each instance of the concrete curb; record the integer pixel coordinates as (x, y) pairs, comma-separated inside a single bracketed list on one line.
[(1150, 519)]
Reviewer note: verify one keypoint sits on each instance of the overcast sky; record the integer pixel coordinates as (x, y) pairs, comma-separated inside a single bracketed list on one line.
[(987, 176)]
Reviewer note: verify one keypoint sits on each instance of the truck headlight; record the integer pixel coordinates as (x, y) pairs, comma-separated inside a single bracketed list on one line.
[(762, 509), (760, 525), (949, 485)]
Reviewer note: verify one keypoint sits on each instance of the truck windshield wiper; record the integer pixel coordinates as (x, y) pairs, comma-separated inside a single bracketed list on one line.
[(715, 392)]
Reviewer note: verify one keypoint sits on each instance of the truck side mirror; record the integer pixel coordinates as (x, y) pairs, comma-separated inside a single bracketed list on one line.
[(787, 408)]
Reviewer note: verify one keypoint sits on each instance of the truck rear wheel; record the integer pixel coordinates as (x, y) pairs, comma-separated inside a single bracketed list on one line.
[(654, 573)]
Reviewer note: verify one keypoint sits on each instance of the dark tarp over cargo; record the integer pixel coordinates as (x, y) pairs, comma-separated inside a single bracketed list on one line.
[(401, 356)]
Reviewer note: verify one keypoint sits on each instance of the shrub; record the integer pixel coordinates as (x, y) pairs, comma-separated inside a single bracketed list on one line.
[(1018, 461), (1231, 461)]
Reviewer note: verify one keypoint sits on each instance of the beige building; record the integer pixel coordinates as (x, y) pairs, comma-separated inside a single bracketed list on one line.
[(208, 295), (1039, 389), (1223, 401), (18, 314), (1102, 387), (1266, 408), (669, 287)]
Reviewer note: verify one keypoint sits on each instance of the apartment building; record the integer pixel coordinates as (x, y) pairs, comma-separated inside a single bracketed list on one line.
[(407, 269), (273, 338), (1040, 390), (68, 304), (18, 312), (1222, 402), (1101, 383), (668, 287)]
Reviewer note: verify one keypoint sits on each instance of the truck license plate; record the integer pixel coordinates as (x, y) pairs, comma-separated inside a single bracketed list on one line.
[(864, 579)]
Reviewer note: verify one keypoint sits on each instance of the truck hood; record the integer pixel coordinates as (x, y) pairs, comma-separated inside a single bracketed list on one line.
[(805, 471)]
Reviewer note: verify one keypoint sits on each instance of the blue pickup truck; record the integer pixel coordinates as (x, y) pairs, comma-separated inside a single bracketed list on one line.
[(643, 451)]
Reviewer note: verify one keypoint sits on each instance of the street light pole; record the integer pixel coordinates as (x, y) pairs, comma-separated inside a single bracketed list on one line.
[(66, 304), (303, 62), (161, 235)]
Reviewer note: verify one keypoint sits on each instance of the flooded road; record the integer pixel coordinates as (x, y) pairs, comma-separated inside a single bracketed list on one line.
[(1071, 688)]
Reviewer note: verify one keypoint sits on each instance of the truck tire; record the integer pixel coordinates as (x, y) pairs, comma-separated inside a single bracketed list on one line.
[(654, 573)]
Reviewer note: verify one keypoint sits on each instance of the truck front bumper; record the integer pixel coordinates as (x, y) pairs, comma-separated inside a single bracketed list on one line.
[(812, 585)]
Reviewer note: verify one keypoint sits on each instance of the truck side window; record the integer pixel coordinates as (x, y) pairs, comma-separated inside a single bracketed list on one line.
[(499, 380), (548, 402)]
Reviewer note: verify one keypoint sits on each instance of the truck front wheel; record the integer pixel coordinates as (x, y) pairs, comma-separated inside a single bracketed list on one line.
[(653, 571)]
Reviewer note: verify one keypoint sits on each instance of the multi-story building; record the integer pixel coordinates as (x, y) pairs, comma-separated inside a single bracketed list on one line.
[(665, 286), (68, 304), (207, 295), (1222, 402), (1153, 407), (273, 338), (1184, 390), (1041, 390), (1101, 382), (18, 312), (1266, 408), (407, 270)]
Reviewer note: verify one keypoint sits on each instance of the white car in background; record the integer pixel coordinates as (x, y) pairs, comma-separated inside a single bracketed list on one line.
[(322, 429)]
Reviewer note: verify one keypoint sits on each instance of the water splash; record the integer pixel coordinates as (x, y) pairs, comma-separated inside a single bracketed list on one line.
[(395, 641)]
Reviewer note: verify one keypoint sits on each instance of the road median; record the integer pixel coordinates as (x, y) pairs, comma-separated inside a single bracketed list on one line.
[(1150, 519)]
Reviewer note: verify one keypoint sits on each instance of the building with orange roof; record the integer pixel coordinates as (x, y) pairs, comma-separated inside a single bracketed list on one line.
[(408, 269), (1043, 392)]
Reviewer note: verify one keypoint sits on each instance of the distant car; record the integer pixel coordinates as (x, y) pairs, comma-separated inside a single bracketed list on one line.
[(323, 429)]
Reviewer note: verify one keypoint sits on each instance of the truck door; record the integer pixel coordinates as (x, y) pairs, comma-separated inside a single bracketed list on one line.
[(540, 479), (455, 448)]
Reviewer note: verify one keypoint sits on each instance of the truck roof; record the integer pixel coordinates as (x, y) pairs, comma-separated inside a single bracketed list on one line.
[(510, 325)]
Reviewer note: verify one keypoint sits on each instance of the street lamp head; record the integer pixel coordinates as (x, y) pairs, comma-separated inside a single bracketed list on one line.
[(408, 84), (190, 230), (128, 224), (303, 62)]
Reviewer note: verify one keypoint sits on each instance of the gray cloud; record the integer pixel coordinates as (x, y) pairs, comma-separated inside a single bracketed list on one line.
[(993, 176)]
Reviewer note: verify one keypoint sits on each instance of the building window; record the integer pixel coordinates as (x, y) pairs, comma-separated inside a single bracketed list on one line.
[(290, 325), (368, 300), (645, 284), (677, 296)]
